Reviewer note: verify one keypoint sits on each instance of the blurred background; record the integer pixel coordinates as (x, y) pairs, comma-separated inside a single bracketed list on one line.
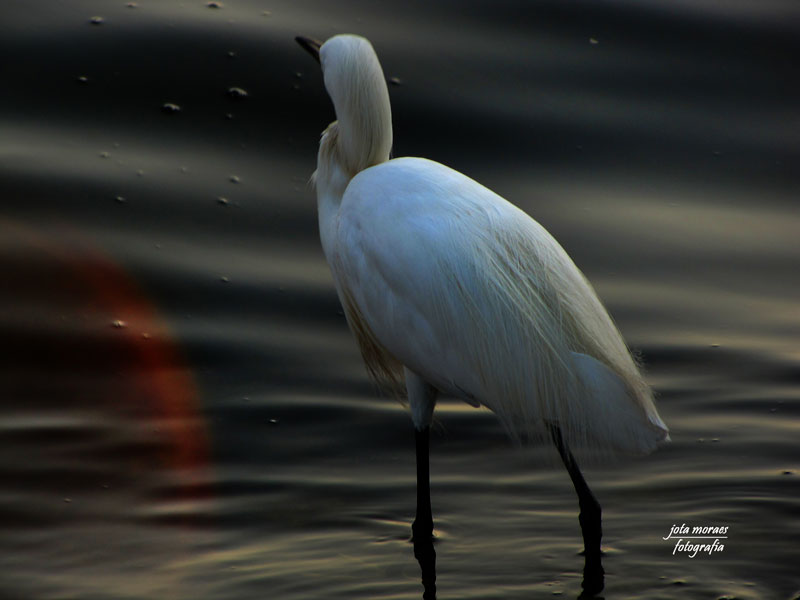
[(183, 411)]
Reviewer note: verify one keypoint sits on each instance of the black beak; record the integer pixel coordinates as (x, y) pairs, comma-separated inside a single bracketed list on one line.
[(310, 46)]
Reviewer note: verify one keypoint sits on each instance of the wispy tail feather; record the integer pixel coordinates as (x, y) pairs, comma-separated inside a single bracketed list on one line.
[(618, 420)]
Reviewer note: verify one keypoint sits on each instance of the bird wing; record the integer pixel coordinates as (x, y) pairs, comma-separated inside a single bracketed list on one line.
[(477, 298)]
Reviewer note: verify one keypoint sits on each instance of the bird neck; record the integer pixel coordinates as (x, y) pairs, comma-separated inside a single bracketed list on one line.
[(363, 131), (330, 180), (361, 136)]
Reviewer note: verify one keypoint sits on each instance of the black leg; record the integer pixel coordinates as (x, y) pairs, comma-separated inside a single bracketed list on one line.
[(589, 518), (423, 523), (422, 528)]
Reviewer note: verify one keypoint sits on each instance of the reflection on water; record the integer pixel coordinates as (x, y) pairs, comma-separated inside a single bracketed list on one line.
[(184, 412)]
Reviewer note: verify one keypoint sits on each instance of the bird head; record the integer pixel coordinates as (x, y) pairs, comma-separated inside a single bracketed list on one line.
[(355, 83)]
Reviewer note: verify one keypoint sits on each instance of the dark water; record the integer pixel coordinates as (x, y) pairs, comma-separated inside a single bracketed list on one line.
[(184, 413)]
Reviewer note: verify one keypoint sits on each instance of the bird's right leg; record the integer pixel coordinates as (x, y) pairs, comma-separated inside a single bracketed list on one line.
[(421, 399), (590, 517)]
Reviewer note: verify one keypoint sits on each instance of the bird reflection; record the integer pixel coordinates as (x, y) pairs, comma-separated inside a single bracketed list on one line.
[(426, 556), (593, 576), (592, 584)]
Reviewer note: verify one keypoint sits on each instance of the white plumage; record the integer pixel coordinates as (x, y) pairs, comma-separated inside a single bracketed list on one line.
[(442, 276)]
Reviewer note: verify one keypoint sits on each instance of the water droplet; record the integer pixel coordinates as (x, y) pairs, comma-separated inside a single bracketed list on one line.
[(715, 439), (170, 109), (237, 93), (788, 473), (593, 41), (715, 345), (229, 116), (83, 79), (223, 200), (132, 5), (214, 4), (67, 500), (273, 421), (395, 81), (183, 169), (119, 324), (231, 54), (140, 173), (145, 336), (266, 13), (105, 154), (120, 199), (224, 279), (97, 20), (234, 179)]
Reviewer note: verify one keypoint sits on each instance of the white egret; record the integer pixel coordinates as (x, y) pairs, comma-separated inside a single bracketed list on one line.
[(451, 289)]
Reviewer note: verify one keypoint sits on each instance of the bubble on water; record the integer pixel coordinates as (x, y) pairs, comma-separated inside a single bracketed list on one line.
[(237, 93), (119, 324), (170, 108), (234, 179), (97, 20)]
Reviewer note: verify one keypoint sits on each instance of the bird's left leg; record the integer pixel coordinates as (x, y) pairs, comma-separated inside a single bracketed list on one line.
[(589, 517), (422, 400)]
